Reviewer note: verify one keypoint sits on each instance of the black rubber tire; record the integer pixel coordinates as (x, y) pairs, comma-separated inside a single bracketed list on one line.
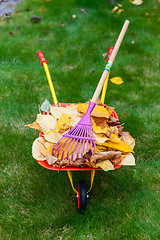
[(83, 195)]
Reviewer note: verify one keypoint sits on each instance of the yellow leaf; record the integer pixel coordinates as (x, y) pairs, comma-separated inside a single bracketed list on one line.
[(115, 9), (114, 138), (34, 125), (64, 123), (98, 111), (42, 9), (116, 80), (120, 10), (122, 146)]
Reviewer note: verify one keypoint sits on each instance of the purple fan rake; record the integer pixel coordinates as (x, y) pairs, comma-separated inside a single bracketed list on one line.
[(80, 139)]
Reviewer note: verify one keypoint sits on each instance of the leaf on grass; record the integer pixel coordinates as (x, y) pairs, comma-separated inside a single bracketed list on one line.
[(11, 33), (106, 165), (45, 107), (104, 55), (98, 111), (42, 9), (120, 10), (34, 125), (74, 16), (115, 9), (92, 71), (38, 149), (129, 160), (137, 2), (46, 122), (83, 11), (116, 80)]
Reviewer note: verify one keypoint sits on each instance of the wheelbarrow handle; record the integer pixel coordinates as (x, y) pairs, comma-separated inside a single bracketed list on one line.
[(110, 52), (41, 57)]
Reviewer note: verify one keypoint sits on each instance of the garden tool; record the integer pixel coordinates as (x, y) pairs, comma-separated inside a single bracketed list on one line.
[(44, 64), (106, 82), (81, 136)]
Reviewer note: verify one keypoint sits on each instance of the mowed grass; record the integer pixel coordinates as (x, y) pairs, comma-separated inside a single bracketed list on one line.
[(40, 204)]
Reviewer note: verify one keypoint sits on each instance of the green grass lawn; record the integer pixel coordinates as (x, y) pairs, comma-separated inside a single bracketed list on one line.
[(40, 204)]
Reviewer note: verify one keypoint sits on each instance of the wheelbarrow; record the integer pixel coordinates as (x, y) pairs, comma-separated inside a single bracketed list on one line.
[(82, 193)]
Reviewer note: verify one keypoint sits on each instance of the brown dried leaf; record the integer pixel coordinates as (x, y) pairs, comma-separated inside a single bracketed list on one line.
[(105, 156), (104, 55), (100, 121)]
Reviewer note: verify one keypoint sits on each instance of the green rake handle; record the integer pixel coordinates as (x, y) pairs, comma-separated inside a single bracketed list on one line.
[(110, 62)]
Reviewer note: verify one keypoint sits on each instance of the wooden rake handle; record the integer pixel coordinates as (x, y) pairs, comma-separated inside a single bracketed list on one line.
[(110, 62)]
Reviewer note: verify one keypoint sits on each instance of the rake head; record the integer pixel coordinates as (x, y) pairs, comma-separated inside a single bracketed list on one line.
[(78, 140)]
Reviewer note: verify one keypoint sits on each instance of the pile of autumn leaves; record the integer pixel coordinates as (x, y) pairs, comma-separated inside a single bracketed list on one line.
[(114, 146)]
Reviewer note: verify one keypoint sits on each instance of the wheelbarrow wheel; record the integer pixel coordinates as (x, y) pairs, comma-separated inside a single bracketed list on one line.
[(82, 196)]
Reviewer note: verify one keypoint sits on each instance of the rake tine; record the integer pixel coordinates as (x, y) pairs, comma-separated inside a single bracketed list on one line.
[(79, 147), (65, 148), (59, 148), (82, 148), (74, 149), (73, 140)]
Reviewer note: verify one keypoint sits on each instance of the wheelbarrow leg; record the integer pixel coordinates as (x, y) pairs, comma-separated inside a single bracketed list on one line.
[(71, 181), (92, 179), (82, 193)]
